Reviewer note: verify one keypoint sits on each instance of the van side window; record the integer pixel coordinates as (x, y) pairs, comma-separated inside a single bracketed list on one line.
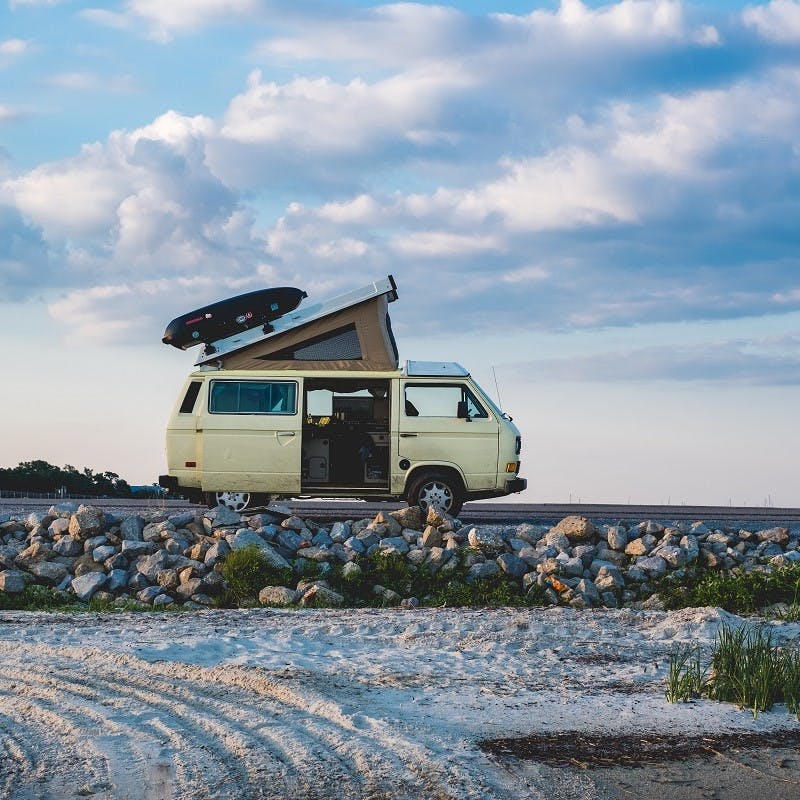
[(441, 400), (190, 398), (253, 397)]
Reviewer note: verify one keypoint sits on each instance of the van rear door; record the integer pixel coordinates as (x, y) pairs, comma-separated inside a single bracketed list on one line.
[(250, 431)]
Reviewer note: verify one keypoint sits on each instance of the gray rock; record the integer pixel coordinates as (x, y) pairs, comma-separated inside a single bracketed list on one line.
[(86, 522), (289, 538), (351, 570), (409, 602), (149, 593), (86, 585), (150, 566), (396, 544), (321, 595), (67, 546), (131, 528), (293, 523), (94, 541), (163, 600), (223, 516), (274, 558), (356, 545), (557, 539), (617, 537), (485, 539), (216, 552), (575, 528), (100, 554), (244, 537), (13, 581), (317, 553), (513, 565), (609, 579), (58, 527), (340, 532), (651, 527), (589, 590), (778, 536), (636, 547), (389, 596), (482, 571), (182, 519), (411, 517), (117, 580), (322, 538), (432, 537), (49, 572), (279, 596), (572, 567), (437, 557), (674, 556), (690, 547), (654, 566), (132, 549)]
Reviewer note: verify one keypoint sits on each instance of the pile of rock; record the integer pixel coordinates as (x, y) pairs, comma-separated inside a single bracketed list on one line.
[(86, 553)]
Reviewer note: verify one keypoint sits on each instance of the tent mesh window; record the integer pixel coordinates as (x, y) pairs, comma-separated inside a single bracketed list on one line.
[(341, 344)]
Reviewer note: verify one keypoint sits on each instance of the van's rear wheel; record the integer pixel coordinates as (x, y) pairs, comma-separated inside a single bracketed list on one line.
[(236, 501), (441, 490)]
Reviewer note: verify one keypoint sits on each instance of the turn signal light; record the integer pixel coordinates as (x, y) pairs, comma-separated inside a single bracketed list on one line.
[(190, 463), (512, 466)]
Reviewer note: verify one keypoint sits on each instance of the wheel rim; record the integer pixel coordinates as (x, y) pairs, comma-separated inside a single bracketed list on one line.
[(436, 494), (235, 501)]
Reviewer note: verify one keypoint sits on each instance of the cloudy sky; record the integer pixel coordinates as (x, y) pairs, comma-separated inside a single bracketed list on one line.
[(598, 200)]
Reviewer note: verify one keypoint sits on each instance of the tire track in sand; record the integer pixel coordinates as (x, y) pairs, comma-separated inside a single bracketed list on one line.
[(132, 728)]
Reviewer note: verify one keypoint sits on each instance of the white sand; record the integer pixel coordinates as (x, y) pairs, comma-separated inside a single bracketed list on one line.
[(327, 704)]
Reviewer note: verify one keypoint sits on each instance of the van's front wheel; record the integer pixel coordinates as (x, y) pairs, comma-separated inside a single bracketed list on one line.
[(236, 501), (438, 489)]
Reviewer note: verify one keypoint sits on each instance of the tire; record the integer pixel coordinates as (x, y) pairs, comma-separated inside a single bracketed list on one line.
[(441, 489), (236, 501)]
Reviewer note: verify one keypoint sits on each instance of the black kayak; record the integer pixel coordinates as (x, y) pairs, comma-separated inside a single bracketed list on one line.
[(227, 317)]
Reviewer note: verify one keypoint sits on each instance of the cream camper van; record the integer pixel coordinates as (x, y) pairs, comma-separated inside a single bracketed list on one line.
[(315, 404)]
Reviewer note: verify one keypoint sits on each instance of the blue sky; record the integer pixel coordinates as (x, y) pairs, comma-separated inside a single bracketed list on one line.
[(599, 200)]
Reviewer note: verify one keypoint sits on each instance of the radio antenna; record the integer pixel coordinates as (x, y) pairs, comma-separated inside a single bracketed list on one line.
[(497, 389)]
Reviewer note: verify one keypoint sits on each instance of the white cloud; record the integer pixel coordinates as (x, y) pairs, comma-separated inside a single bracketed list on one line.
[(90, 81), (436, 244), (777, 21), (18, 3), (325, 115), (166, 19), (12, 49), (7, 113)]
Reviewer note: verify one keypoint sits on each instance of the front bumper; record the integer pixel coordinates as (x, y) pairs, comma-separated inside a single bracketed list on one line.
[(516, 485)]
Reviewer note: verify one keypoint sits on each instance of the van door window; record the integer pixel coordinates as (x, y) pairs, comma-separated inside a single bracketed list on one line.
[(253, 397), (440, 400)]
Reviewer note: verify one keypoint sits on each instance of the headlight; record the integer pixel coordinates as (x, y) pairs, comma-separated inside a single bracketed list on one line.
[(518, 448)]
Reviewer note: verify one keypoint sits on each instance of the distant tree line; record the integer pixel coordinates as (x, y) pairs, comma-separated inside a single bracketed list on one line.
[(40, 476)]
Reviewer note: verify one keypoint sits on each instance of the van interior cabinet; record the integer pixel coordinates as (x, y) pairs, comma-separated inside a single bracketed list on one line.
[(346, 438)]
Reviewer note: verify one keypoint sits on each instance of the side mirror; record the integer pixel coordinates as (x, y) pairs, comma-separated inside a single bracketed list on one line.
[(462, 412)]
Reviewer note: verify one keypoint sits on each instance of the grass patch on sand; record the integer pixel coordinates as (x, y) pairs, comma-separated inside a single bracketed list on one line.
[(745, 667), (735, 591)]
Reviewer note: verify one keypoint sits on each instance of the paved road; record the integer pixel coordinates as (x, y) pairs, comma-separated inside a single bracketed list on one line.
[(481, 512)]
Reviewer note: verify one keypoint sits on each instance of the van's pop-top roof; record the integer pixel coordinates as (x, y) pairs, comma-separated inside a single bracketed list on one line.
[(349, 332)]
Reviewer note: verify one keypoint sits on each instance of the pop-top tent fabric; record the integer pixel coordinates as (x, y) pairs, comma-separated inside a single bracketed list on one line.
[(338, 336)]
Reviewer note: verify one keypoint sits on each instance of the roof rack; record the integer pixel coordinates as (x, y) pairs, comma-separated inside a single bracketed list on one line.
[(305, 315)]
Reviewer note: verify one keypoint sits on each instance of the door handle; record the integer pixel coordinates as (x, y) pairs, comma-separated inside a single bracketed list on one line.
[(284, 433), (407, 435)]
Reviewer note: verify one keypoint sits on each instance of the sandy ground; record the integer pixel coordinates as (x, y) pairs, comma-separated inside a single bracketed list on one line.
[(353, 704)]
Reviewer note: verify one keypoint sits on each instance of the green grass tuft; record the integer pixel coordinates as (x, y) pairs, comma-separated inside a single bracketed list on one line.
[(746, 667)]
